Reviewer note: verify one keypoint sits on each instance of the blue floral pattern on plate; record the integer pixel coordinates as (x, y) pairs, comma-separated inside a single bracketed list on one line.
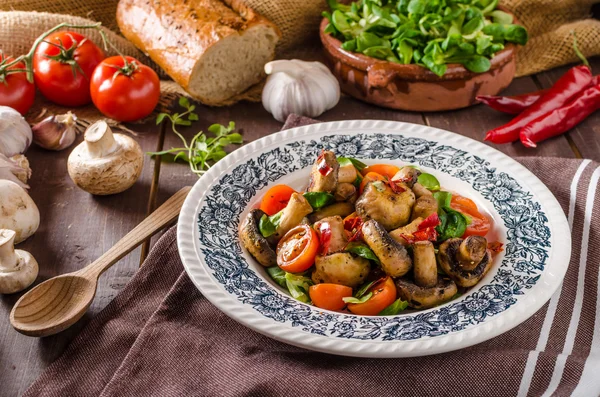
[(528, 237)]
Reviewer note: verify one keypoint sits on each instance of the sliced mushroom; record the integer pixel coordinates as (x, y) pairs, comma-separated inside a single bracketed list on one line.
[(341, 268), (408, 175), (409, 229), (341, 209), (425, 298), (293, 213), (424, 206), (394, 258), (324, 173), (425, 265), (449, 261), (254, 242), (420, 190), (471, 252), (345, 192), (380, 203), (338, 236), (347, 174)]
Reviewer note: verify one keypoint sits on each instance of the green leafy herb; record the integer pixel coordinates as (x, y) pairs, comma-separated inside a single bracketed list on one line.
[(298, 286), (268, 224), (429, 181), (443, 199), (362, 250), (202, 151), (363, 299), (453, 224), (431, 33), (363, 289), (344, 161), (457, 295), (395, 308), (319, 199), (277, 275)]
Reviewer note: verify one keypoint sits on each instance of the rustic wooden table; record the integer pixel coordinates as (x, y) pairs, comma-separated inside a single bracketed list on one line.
[(77, 227)]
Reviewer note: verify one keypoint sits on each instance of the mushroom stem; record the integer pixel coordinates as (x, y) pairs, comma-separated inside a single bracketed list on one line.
[(425, 265), (471, 251), (100, 140), (8, 257)]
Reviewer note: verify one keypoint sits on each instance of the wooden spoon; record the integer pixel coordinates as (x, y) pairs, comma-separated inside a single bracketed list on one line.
[(57, 303)]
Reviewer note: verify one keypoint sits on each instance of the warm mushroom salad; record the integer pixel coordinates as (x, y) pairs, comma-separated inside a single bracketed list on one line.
[(370, 239)]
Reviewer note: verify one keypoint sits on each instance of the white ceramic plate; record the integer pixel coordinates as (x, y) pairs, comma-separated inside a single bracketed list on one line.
[(527, 219)]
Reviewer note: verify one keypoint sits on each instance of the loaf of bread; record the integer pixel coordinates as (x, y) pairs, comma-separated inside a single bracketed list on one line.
[(215, 49)]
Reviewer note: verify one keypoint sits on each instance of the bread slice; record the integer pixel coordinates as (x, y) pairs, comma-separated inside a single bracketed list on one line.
[(215, 49)]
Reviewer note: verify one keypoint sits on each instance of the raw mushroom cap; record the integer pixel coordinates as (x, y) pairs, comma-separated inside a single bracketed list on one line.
[(18, 268)]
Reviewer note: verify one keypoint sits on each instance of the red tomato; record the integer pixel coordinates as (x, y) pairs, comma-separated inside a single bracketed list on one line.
[(125, 90), (329, 296), (382, 169), (297, 250), (369, 177), (63, 65), (276, 199), (480, 224), (15, 90), (384, 294)]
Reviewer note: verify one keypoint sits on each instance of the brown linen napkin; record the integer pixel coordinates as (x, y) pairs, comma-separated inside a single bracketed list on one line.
[(161, 337)]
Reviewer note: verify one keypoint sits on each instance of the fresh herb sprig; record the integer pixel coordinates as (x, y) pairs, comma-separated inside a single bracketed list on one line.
[(202, 151)]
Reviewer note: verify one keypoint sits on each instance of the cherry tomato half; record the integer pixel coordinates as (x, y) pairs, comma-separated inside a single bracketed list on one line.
[(124, 89), (480, 225), (329, 296), (384, 294), (297, 250), (276, 199), (63, 65), (15, 90), (382, 169), (370, 177)]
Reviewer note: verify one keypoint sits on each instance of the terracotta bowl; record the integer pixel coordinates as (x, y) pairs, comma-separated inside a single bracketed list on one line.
[(413, 87)]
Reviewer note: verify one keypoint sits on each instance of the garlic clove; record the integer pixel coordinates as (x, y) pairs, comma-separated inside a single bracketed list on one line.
[(15, 133), (15, 169), (56, 132)]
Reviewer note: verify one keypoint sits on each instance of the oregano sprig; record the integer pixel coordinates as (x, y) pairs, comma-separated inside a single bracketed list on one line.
[(202, 151)]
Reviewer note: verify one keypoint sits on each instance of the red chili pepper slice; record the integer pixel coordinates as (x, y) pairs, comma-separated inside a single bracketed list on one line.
[(562, 92), (496, 247), (323, 167), (425, 231), (397, 186), (562, 119), (514, 104), (324, 237), (353, 227)]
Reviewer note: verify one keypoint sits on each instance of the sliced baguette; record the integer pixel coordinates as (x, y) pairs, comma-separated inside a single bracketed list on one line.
[(214, 49)]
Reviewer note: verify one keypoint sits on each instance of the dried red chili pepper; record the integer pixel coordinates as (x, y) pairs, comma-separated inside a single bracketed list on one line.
[(425, 231), (397, 186), (562, 119), (514, 104), (562, 92), (496, 247), (353, 227)]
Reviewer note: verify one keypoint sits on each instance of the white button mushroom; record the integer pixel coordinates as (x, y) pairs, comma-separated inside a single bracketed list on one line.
[(18, 268), (18, 212), (105, 163)]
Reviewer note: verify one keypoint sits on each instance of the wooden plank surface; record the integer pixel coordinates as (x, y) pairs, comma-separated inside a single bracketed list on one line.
[(77, 228)]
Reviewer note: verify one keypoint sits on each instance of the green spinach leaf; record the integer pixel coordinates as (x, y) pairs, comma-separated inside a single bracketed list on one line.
[(318, 200), (362, 250), (395, 308), (268, 224)]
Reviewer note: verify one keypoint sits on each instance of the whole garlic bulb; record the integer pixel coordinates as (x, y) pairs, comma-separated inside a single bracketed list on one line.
[(15, 133), (295, 86)]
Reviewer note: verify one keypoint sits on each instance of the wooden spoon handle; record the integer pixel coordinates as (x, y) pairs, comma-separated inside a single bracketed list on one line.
[(164, 215)]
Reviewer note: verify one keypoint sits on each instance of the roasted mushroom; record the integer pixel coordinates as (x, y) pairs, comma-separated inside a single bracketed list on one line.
[(420, 190), (471, 252), (347, 173), (254, 242), (324, 173), (425, 298), (293, 213), (345, 192), (394, 258), (451, 261), (338, 239), (409, 229), (341, 268), (425, 265), (407, 175), (380, 203), (424, 206), (341, 209)]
